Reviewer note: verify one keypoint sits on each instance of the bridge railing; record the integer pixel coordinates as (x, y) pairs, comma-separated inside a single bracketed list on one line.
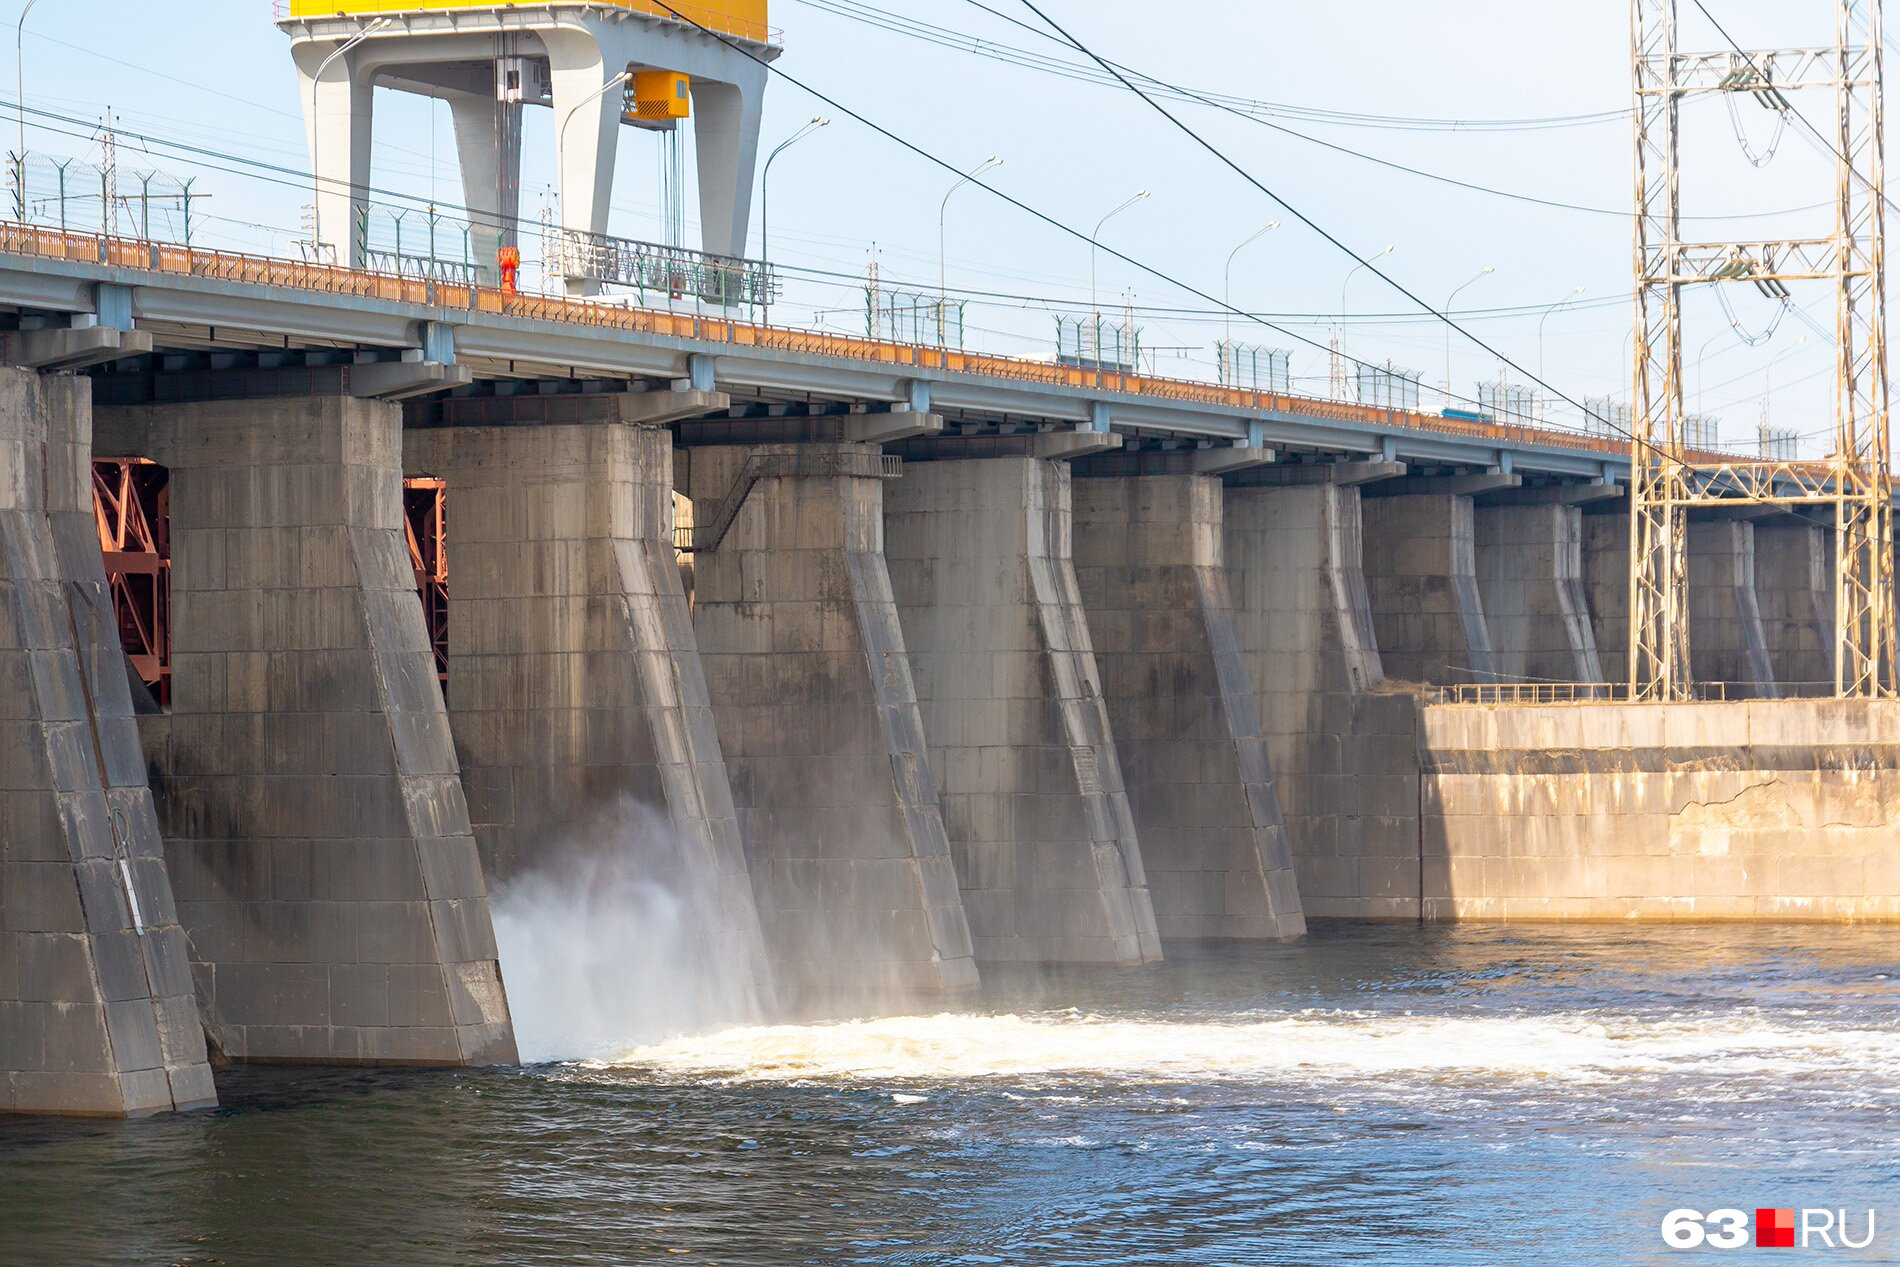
[(35, 241)]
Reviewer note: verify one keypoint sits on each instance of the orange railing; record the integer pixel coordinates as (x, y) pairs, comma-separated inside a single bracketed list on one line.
[(161, 257)]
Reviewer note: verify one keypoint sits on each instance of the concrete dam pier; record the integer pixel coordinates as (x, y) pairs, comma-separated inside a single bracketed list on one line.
[(887, 680)]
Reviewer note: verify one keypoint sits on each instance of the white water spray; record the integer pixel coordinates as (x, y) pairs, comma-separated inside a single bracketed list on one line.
[(619, 939)]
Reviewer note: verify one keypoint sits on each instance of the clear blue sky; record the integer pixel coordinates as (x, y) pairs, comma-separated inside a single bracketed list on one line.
[(216, 73)]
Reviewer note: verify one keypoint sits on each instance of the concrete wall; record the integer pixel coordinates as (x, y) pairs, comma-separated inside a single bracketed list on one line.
[(306, 780), (1530, 578), (580, 711), (1148, 555), (1344, 754), (1026, 766), (96, 1017), (1726, 640), (806, 665), (1775, 810), (1794, 591), (1422, 577)]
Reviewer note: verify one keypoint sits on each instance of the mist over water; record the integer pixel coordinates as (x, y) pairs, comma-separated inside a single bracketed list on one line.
[(616, 940)]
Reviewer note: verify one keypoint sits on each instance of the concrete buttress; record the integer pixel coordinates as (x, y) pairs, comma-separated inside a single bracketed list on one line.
[(1422, 574), (576, 693), (307, 783), (1727, 642), (1148, 556), (1530, 577), (817, 711), (96, 1009), (1038, 818), (1345, 753), (1794, 590)]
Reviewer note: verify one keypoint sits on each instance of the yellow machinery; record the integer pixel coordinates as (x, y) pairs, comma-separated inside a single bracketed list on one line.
[(659, 97), (743, 18)]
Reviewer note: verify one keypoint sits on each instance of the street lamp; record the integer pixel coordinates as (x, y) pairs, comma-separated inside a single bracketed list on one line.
[(1575, 291), (1483, 273), (1341, 358), (1095, 309), (1715, 338), (943, 265), (765, 183), (19, 79), (316, 128), (1227, 293)]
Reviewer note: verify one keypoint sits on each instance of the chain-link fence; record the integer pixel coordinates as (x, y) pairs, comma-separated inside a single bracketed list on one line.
[(1388, 386), (1097, 344), (110, 199), (907, 316), (1255, 368)]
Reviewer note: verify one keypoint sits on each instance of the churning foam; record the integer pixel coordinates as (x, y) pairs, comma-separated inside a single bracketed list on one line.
[(1306, 1046)]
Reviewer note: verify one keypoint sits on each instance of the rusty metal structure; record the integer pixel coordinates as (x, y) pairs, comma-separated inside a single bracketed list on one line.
[(1855, 482), (425, 526), (129, 499)]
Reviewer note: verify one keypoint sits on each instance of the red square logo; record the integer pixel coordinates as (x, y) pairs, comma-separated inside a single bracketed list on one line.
[(1774, 1229)]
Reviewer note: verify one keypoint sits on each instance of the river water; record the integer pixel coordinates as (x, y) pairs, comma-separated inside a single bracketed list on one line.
[(1370, 1095)]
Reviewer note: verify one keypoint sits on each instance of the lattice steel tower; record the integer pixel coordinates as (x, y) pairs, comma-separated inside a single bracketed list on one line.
[(1855, 482)]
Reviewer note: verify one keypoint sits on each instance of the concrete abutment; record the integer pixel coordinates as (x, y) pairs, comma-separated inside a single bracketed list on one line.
[(806, 665), (313, 813), (1531, 583), (1421, 566), (97, 1015), (582, 722), (1031, 784), (1149, 559), (1344, 753)]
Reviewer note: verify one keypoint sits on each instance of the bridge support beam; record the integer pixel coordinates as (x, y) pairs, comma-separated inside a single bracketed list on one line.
[(1422, 575), (1794, 589), (1530, 579), (1031, 786), (578, 702), (314, 821), (1344, 754), (1148, 556), (1727, 643), (96, 1010), (810, 681)]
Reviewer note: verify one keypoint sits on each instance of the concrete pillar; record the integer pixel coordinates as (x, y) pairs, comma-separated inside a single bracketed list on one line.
[(1726, 640), (1794, 589), (587, 131), (338, 113), (488, 146), (96, 1008), (1031, 787), (1148, 556), (1345, 758), (1606, 587), (314, 821), (578, 702), (1530, 579), (726, 120), (1422, 577), (812, 688)]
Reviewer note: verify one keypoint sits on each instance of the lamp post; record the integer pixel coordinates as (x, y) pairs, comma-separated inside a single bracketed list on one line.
[(943, 258), (1483, 273), (1095, 312), (765, 183), (1575, 291), (19, 80), (560, 148), (1715, 338), (1227, 282), (1339, 356), (316, 128)]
